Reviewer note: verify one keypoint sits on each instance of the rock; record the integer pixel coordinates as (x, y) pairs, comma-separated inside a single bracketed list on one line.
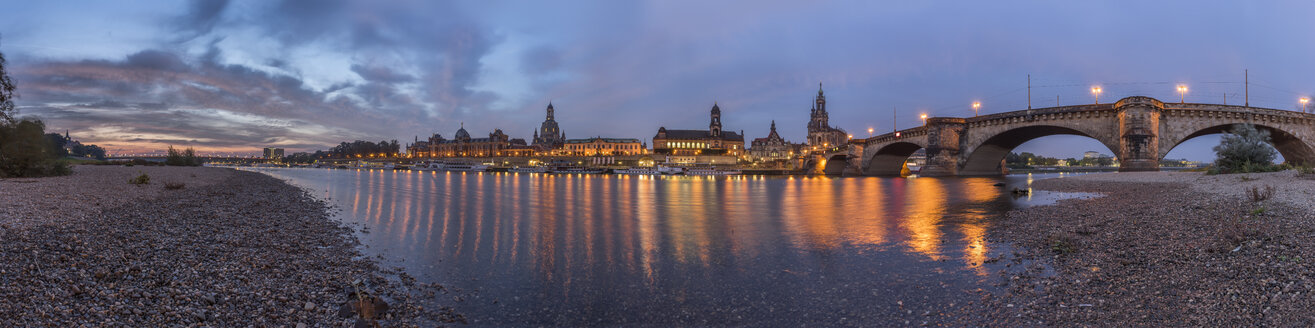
[(309, 306)]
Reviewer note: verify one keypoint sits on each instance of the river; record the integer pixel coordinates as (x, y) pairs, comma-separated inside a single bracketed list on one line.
[(606, 250)]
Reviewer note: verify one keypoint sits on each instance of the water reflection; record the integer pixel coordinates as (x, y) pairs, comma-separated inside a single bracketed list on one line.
[(577, 249)]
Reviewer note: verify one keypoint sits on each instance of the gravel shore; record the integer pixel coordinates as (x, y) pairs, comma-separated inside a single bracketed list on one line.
[(229, 249), (1160, 249)]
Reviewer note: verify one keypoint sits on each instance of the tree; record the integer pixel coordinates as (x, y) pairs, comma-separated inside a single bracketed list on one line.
[(26, 152), (1245, 149), (8, 92)]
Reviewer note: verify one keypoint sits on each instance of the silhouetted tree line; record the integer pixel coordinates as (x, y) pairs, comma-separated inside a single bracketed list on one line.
[(186, 157), (62, 146), (1026, 159), (361, 148), (24, 149)]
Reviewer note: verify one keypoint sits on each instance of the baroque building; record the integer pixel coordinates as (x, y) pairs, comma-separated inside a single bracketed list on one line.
[(713, 141), (821, 134), (773, 147), (600, 146), (549, 136), (498, 144)]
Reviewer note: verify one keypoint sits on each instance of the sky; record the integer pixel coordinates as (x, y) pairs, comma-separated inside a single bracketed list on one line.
[(232, 77)]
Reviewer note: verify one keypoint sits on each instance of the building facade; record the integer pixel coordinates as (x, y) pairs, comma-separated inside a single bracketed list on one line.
[(273, 153), (549, 136), (821, 135), (498, 144), (603, 146), (773, 147), (713, 141)]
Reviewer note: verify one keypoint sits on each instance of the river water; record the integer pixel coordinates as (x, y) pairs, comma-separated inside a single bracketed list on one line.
[(607, 250)]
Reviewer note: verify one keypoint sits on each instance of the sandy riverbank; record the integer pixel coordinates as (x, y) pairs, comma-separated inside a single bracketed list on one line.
[(229, 249), (1161, 249)]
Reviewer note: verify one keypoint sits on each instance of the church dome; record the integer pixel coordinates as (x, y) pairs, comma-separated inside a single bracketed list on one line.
[(462, 134)]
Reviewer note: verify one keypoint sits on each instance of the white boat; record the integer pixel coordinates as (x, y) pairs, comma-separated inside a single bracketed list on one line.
[(429, 166), (637, 170), (575, 170), (367, 165), (651, 171), (528, 169), (710, 171), (466, 167)]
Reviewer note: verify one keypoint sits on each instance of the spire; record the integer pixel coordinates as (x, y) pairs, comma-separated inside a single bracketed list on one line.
[(819, 88), (773, 126)]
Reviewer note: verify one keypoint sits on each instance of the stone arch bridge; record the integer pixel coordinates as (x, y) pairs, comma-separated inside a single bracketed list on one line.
[(1140, 131)]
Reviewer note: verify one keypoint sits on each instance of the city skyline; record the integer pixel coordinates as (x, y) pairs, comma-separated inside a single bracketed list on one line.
[(237, 76)]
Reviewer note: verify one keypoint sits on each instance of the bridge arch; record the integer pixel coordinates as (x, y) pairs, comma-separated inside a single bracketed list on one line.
[(1292, 147), (986, 158), (889, 160), (835, 164)]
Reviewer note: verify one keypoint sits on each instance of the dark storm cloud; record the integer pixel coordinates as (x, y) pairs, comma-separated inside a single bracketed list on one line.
[(212, 104)]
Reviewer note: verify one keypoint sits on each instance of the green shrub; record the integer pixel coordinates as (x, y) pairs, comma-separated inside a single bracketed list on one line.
[(140, 179), (1245, 149)]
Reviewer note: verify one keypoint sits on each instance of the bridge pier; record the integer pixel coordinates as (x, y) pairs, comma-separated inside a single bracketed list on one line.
[(943, 146), (1139, 133)]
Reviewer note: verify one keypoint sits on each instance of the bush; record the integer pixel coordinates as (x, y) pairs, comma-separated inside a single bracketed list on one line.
[(1258, 194), (25, 151), (1245, 150), (174, 185), (140, 180)]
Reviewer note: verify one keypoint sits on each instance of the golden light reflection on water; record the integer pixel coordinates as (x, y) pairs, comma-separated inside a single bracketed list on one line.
[(568, 227), (924, 211)]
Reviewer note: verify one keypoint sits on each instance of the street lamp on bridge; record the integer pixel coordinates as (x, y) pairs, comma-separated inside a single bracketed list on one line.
[(924, 118), (1182, 94), (870, 132), (1304, 100), (1095, 92), (976, 105)]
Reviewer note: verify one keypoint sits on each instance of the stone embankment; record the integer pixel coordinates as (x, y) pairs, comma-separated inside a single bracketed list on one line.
[(230, 248), (1161, 249)]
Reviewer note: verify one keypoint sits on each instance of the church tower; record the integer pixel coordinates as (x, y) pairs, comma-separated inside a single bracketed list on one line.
[(714, 128), (549, 135)]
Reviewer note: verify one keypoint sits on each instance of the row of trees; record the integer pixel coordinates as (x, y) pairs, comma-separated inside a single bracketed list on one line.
[(1026, 159), (361, 148), (186, 157), (24, 149)]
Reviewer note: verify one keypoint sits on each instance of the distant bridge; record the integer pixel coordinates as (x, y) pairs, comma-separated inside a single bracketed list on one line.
[(1140, 131)]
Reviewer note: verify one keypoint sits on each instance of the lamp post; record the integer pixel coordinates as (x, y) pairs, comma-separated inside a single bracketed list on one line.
[(976, 105), (1182, 94), (869, 132), (1095, 92), (924, 118), (1304, 100)]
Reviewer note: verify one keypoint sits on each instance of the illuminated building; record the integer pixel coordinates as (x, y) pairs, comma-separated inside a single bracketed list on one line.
[(712, 141), (602, 146), (821, 134)]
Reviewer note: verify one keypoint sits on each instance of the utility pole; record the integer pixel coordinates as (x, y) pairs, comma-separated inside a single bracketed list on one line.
[(1056, 100), (1029, 91), (893, 126), (1246, 80)]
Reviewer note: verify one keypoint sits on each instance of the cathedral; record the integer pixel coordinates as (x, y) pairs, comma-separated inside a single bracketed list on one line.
[(549, 136), (820, 133)]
